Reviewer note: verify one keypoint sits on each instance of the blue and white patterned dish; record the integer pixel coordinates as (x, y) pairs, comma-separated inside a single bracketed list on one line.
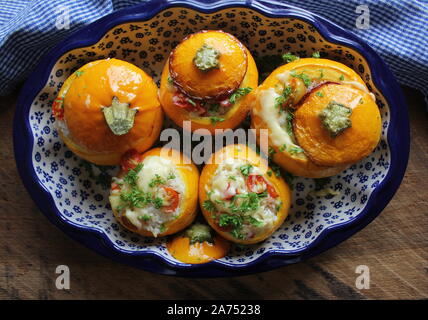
[(64, 188)]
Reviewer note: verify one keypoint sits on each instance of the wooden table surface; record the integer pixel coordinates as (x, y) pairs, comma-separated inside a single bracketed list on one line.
[(394, 247)]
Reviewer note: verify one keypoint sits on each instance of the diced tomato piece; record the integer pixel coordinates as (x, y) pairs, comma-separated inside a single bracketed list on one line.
[(272, 192), (115, 186), (230, 193), (256, 183), (172, 199), (58, 108), (180, 100), (130, 160)]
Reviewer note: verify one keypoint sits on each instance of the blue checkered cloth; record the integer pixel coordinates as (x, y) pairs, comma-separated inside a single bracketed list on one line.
[(398, 32)]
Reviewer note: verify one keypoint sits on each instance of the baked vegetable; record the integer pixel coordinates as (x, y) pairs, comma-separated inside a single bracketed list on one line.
[(320, 116), (106, 108), (155, 194), (240, 197), (198, 244), (208, 80)]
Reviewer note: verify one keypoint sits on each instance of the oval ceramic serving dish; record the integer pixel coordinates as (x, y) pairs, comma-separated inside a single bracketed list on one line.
[(64, 188)]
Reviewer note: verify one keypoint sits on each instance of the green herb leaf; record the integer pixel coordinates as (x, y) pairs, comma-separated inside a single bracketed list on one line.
[(255, 222), (288, 57), (157, 202), (215, 120), (295, 150), (209, 206), (302, 76), (316, 55), (246, 169), (239, 93), (227, 220), (157, 180), (144, 217), (286, 93), (132, 175)]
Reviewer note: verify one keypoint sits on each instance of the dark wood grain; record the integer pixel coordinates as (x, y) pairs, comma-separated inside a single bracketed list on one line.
[(394, 246)]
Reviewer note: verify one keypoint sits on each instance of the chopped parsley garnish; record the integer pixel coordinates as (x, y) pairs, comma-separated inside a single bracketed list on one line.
[(132, 175), (157, 202), (319, 94), (170, 81), (302, 76), (279, 101), (136, 198), (237, 233), (295, 150), (79, 73), (228, 219), (232, 178), (316, 55), (288, 57), (209, 206), (157, 180), (193, 103), (321, 74), (246, 169), (254, 221), (144, 217), (171, 176), (341, 78), (289, 122), (162, 228), (215, 120), (283, 148), (239, 93), (249, 202)]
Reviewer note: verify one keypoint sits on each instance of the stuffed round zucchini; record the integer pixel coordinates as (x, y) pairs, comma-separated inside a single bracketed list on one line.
[(198, 244), (106, 108), (240, 197), (320, 116), (208, 80), (155, 194)]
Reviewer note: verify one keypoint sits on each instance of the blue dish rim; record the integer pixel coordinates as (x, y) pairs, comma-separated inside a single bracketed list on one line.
[(398, 139)]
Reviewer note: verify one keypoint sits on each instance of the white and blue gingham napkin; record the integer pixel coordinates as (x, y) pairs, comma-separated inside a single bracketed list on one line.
[(397, 31)]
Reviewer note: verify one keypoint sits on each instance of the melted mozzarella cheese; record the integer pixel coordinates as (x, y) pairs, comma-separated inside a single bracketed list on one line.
[(276, 122), (149, 217), (222, 186)]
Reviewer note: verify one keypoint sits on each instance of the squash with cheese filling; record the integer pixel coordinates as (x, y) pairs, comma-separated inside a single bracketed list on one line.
[(209, 80), (240, 197), (106, 108), (320, 116), (155, 194)]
